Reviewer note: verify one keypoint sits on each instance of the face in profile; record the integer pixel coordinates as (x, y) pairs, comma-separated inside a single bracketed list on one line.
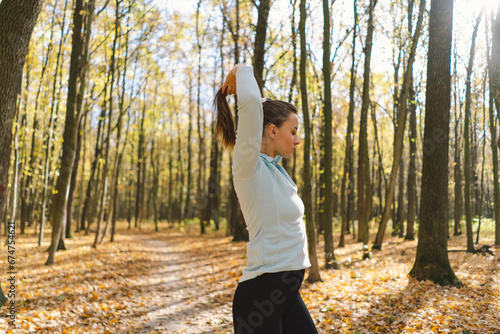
[(287, 139)]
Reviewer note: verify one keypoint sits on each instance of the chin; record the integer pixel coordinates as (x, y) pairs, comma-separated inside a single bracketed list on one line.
[(287, 155)]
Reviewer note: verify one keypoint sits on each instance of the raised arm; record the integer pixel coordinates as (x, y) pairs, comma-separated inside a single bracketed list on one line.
[(250, 118)]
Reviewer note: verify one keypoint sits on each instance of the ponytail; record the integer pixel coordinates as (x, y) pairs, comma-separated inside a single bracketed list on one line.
[(224, 122), (275, 112)]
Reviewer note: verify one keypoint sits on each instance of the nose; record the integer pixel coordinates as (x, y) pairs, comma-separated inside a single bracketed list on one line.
[(297, 141)]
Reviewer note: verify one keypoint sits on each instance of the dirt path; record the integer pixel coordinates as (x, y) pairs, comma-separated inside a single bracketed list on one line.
[(187, 300)]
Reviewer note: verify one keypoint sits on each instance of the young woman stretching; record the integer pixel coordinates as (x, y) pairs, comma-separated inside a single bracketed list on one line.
[(267, 299)]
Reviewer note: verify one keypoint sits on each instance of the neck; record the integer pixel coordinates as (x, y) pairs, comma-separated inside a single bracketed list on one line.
[(267, 149)]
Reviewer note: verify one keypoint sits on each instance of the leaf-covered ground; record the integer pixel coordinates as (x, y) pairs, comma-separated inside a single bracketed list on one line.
[(176, 281)]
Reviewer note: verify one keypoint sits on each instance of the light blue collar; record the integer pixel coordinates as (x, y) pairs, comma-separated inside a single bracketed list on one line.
[(272, 160)]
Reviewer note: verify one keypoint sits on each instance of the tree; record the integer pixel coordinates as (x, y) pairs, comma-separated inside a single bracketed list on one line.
[(412, 168), (141, 166), (24, 193), (364, 185), (212, 200), (314, 275), (187, 207), (431, 261), (495, 61), (59, 200), (457, 172), (94, 172), (50, 133), (107, 163), (479, 214), (467, 160), (119, 151), (260, 42), (401, 121), (347, 209), (17, 21), (494, 69), (237, 223), (494, 148), (155, 164), (201, 128), (327, 115)]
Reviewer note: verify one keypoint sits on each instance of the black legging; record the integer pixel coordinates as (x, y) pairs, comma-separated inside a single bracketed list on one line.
[(271, 304)]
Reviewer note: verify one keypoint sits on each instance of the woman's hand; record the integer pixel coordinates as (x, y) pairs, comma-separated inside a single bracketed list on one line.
[(229, 86)]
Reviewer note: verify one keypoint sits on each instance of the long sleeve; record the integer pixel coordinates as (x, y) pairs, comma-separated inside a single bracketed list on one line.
[(272, 209), (249, 129)]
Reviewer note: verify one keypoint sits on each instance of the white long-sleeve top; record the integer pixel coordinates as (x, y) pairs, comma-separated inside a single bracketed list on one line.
[(272, 209)]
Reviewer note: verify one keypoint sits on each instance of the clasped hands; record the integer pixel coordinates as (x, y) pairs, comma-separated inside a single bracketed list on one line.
[(229, 86)]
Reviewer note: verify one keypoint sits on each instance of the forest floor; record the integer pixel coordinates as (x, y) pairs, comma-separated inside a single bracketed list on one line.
[(176, 281)]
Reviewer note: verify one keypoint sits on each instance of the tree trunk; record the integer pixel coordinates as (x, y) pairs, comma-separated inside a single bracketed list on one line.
[(87, 206), (412, 168), (364, 185), (467, 159), (330, 261), (212, 201), (314, 275), (118, 162), (129, 191), (105, 173), (11, 228), (240, 233), (187, 207), (293, 82), (88, 198), (494, 69), (55, 103), (31, 192), (24, 120), (180, 168), (431, 261), (155, 165), (48, 142), (82, 174), (200, 130), (73, 183), (380, 172), (119, 152), (33, 196), (154, 191), (260, 41), (320, 182), (96, 190), (17, 21), (77, 72), (482, 162), (45, 169), (140, 163), (457, 173), (396, 110), (170, 180), (398, 143), (401, 197)]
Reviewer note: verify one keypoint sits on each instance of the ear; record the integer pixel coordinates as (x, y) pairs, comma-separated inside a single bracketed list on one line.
[(271, 130)]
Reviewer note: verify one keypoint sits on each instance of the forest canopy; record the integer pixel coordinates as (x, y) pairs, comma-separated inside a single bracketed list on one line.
[(107, 117)]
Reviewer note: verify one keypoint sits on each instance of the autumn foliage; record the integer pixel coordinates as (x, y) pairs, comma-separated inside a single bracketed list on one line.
[(175, 281)]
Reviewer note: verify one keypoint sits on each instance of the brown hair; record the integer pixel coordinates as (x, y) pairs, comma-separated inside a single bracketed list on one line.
[(275, 112)]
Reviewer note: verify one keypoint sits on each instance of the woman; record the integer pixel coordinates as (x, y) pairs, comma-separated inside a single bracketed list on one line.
[(267, 299)]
